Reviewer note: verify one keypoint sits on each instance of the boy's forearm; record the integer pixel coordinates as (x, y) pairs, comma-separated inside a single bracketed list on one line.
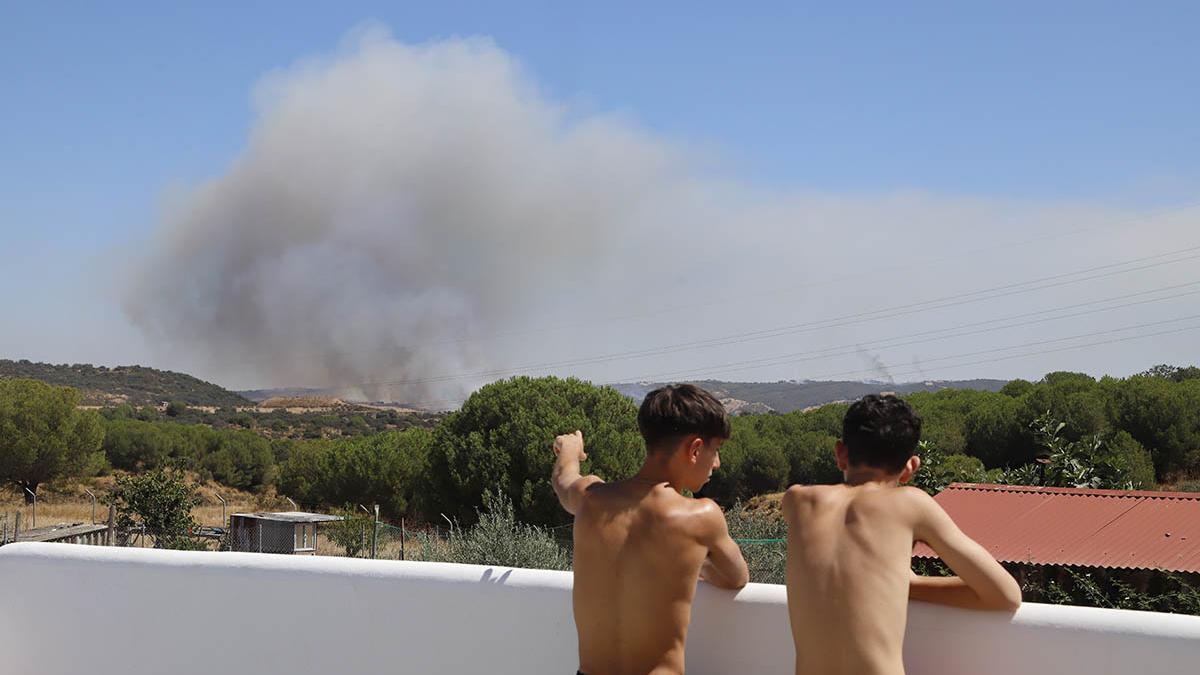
[(951, 591), (565, 472)]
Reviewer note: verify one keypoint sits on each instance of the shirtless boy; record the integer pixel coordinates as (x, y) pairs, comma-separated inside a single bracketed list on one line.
[(640, 545), (849, 574)]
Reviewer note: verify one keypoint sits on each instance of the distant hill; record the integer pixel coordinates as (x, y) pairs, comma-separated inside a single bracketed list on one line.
[(135, 385), (260, 395), (740, 398), (786, 396), (267, 397)]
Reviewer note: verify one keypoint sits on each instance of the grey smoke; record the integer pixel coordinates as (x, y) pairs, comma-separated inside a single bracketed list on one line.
[(876, 365), (393, 200)]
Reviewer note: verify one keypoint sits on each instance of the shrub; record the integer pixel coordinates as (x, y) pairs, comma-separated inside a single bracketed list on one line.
[(161, 502), (498, 538)]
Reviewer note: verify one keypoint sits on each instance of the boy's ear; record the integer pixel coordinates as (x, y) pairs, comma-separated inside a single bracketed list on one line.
[(842, 454), (910, 469), (694, 447)]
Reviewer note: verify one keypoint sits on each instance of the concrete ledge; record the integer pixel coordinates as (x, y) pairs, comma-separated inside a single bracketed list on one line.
[(70, 609)]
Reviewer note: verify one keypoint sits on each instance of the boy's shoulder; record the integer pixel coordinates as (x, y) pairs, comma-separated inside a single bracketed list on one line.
[(798, 493), (799, 496)]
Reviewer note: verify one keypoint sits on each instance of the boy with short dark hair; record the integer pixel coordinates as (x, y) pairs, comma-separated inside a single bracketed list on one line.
[(849, 574), (640, 545)]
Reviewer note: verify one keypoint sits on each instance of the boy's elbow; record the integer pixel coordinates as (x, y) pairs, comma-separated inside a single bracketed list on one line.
[(1009, 599), (733, 583), (742, 577), (1012, 599)]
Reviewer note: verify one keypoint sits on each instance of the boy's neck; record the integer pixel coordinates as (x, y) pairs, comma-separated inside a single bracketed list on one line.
[(866, 475), (654, 472)]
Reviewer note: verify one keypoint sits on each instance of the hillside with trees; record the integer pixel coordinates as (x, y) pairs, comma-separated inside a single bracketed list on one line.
[(133, 385), (1138, 432), (486, 466)]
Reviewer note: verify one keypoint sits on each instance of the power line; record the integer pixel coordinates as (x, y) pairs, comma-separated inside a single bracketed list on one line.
[(1011, 347), (1009, 357), (1004, 290), (990, 249), (887, 343)]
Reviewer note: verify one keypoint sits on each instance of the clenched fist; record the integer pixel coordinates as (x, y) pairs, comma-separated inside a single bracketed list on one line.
[(571, 445)]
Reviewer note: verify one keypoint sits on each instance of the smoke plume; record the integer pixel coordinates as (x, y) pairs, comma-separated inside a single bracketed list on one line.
[(396, 202), (390, 201)]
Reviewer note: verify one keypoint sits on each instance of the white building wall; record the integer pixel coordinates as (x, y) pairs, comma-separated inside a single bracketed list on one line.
[(68, 610)]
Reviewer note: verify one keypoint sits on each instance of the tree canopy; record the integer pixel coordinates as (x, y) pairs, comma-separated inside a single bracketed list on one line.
[(43, 435), (500, 440)]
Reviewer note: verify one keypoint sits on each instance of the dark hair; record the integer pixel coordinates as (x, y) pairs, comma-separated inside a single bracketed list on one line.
[(679, 410), (881, 432)]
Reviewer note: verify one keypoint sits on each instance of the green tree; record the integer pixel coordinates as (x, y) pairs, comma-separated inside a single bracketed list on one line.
[(1111, 460), (133, 445), (1016, 388), (384, 469), (501, 438), (1075, 399), (1173, 373), (939, 469), (43, 435), (995, 432), (161, 502), (1163, 416), (352, 532), (240, 459), (810, 458)]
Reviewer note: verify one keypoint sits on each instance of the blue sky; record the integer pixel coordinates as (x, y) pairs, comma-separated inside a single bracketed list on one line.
[(109, 109)]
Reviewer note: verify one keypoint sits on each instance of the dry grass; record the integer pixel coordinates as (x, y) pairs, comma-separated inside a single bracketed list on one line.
[(69, 503)]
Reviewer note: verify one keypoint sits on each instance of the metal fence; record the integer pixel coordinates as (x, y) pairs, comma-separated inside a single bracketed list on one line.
[(766, 557)]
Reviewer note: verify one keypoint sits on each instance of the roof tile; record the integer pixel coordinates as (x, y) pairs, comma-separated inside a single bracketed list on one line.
[(1130, 529)]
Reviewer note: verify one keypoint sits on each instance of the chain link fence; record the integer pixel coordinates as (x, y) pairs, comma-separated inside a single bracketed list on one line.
[(499, 539)]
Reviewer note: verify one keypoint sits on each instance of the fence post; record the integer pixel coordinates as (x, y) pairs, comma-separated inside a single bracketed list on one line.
[(17, 527), (224, 519), (402, 539), (375, 533), (111, 536), (34, 495), (89, 493)]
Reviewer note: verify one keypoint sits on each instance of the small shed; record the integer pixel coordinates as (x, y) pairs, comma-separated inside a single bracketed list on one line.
[(283, 532)]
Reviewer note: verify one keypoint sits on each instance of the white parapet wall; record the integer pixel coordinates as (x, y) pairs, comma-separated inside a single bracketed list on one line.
[(72, 610)]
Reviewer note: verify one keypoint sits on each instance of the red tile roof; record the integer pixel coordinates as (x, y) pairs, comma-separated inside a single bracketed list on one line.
[(1130, 529)]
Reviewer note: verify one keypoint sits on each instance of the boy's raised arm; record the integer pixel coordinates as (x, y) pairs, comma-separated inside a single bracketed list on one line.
[(569, 485), (982, 583)]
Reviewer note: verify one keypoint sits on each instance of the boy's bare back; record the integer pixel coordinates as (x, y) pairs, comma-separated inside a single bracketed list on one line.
[(639, 549), (849, 577)]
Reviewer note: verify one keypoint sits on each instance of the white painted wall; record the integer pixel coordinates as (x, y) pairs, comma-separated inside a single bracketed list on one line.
[(71, 610)]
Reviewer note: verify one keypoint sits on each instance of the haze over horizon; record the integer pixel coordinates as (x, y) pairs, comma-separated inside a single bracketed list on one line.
[(410, 204)]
